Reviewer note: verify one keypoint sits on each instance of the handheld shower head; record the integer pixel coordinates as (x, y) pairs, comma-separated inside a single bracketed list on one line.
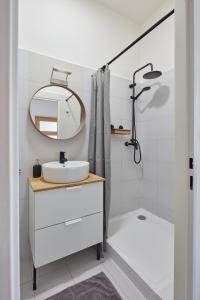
[(152, 74), (146, 88)]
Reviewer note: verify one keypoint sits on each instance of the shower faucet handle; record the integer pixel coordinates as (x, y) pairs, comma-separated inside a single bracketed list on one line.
[(133, 143)]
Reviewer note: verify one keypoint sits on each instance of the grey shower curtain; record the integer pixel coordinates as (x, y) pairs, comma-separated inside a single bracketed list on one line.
[(100, 135)]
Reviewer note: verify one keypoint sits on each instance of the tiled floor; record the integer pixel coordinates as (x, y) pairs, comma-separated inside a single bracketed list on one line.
[(59, 275)]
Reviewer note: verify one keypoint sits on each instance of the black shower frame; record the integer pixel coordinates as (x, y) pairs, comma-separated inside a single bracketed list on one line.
[(140, 38)]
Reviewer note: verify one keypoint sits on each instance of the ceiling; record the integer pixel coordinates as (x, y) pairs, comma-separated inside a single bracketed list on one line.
[(137, 10)]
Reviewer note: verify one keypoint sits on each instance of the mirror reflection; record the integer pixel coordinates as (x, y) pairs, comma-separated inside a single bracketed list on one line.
[(57, 112)]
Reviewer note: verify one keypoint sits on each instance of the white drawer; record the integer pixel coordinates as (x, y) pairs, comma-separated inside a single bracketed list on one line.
[(60, 205), (64, 239)]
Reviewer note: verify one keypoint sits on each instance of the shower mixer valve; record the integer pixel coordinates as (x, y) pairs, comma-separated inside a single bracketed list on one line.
[(133, 143)]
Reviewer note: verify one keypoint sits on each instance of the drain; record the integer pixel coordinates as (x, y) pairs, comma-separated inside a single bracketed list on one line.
[(141, 217)]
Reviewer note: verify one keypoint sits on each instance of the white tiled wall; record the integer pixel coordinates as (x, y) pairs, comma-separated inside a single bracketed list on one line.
[(149, 185), (34, 72), (156, 109), (126, 177)]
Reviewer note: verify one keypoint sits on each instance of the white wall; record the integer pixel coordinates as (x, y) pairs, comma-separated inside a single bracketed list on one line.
[(156, 118), (158, 47), (33, 145), (81, 32), (98, 34), (126, 177)]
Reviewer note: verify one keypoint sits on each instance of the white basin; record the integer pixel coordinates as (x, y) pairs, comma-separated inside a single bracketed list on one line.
[(70, 171)]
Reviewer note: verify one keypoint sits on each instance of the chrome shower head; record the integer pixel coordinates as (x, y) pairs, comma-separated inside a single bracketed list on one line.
[(152, 74)]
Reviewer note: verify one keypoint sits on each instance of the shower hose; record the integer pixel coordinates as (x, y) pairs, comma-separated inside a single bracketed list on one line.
[(137, 148)]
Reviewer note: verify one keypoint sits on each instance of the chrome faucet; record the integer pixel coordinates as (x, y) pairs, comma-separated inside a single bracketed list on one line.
[(62, 158)]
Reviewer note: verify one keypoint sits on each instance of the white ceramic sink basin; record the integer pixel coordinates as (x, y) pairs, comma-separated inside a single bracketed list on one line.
[(70, 171)]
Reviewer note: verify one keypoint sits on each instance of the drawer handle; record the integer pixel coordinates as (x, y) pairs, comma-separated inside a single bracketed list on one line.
[(73, 222), (73, 188)]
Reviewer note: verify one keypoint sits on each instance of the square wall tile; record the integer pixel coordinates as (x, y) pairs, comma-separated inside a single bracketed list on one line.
[(149, 150), (131, 171), (165, 173), (116, 199), (149, 195), (119, 87), (116, 171), (150, 129), (165, 127), (166, 196), (150, 171), (120, 108), (166, 150), (116, 148)]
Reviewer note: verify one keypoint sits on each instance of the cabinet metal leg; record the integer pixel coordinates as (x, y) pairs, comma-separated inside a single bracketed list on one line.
[(34, 278), (99, 251)]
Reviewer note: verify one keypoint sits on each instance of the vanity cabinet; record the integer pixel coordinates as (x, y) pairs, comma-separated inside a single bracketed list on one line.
[(64, 218)]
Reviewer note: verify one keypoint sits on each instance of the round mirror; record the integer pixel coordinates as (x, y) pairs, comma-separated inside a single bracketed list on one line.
[(57, 112)]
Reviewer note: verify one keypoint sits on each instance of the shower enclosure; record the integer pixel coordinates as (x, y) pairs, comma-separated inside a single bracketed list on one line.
[(141, 230)]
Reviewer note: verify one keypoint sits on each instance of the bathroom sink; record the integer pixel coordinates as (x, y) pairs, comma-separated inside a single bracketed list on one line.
[(70, 171)]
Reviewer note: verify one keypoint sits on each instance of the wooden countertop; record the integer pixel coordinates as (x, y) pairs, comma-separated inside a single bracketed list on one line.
[(38, 184)]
